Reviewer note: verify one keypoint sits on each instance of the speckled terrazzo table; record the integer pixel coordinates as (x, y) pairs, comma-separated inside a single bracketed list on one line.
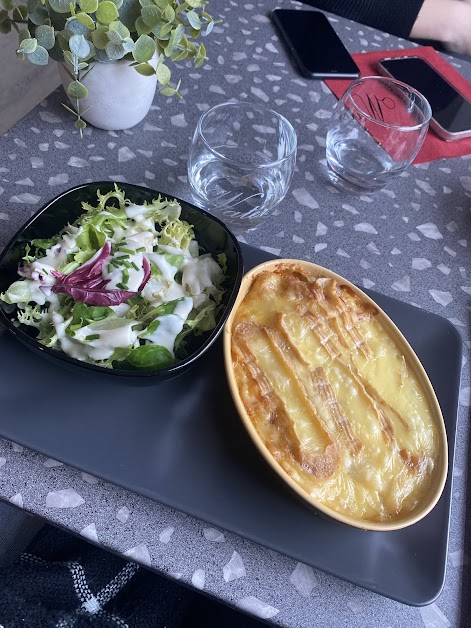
[(409, 241)]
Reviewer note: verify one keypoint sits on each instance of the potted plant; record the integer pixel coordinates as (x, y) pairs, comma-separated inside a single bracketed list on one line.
[(102, 45)]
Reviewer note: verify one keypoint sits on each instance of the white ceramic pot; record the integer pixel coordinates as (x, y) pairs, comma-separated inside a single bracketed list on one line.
[(118, 96)]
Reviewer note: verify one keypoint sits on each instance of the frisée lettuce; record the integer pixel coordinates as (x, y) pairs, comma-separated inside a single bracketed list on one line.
[(121, 287)]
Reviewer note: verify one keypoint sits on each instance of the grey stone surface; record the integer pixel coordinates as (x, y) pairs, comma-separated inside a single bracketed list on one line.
[(410, 241)]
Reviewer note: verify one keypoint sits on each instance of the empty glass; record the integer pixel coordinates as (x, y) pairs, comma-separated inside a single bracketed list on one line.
[(241, 162), (376, 131)]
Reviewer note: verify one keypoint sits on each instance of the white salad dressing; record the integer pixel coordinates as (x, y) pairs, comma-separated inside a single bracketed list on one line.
[(113, 333), (173, 250), (171, 325), (130, 263), (200, 273), (168, 270)]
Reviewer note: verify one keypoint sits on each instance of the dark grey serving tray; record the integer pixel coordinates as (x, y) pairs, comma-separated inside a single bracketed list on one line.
[(182, 443)]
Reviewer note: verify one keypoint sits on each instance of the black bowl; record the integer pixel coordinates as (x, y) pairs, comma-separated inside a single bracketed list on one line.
[(210, 232)]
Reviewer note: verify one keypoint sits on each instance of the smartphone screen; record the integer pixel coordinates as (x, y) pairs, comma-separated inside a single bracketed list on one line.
[(314, 44), (450, 109)]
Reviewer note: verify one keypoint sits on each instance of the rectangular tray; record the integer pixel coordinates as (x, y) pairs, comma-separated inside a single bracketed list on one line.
[(182, 443)]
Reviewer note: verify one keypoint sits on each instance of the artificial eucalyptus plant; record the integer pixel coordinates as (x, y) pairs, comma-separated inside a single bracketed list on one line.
[(77, 33)]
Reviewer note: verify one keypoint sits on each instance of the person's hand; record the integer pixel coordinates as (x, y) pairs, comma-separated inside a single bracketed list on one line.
[(446, 21)]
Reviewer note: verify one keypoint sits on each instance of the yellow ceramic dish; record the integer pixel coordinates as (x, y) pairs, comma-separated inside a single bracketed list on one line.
[(334, 397)]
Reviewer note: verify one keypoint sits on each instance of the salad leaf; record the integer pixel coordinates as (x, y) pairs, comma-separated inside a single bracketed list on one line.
[(160, 310), (150, 357), (177, 233), (90, 239), (18, 292), (83, 314), (44, 244), (174, 260)]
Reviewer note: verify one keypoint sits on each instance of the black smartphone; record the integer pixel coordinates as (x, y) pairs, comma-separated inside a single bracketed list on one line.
[(315, 46), (451, 111)]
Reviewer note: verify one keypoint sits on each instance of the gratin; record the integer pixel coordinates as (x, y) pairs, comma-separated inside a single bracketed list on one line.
[(332, 394)]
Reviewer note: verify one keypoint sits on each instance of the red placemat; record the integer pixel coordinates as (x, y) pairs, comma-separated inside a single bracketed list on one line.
[(433, 147)]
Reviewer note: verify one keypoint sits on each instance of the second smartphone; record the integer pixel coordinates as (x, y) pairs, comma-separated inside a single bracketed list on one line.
[(451, 111), (314, 45)]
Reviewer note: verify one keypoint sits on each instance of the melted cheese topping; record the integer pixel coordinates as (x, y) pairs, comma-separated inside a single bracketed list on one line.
[(332, 397)]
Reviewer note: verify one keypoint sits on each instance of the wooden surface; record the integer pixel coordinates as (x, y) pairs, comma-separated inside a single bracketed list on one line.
[(22, 84)]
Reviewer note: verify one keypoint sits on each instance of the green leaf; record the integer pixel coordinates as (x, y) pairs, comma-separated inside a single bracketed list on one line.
[(128, 14), (174, 260), (179, 55), (100, 37), (80, 124), (145, 49), (128, 45), (168, 91), (5, 26), (194, 20), (39, 56), (3, 15), (120, 30), (91, 239), (77, 90), (106, 12), (114, 51), (194, 33), (74, 27), (20, 13), (118, 3), (39, 16), (175, 39), (70, 58), (152, 327), (23, 34), (86, 20), (145, 69), (7, 5), (200, 56), (83, 314), (79, 46), (169, 13), (142, 28), (151, 15), (193, 3), (45, 36), (27, 46), (150, 357), (88, 6), (163, 74), (166, 29), (114, 38), (61, 6), (159, 310)]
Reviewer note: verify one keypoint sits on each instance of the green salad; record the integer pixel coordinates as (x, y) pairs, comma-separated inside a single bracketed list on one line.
[(121, 287)]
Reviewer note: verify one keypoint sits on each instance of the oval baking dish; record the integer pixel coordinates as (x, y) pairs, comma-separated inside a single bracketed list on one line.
[(334, 397)]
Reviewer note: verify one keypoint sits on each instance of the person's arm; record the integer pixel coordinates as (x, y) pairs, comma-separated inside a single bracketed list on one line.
[(446, 21), (393, 16)]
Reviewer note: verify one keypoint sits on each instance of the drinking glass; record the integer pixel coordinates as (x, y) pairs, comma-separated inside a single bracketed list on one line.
[(376, 131), (241, 162)]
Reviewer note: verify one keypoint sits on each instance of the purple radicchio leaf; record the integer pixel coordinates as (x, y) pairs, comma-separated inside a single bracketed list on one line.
[(86, 283), (147, 270)]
